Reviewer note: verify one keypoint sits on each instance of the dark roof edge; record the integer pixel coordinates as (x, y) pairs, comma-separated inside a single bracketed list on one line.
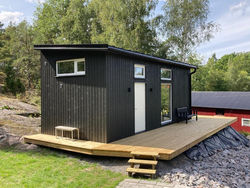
[(98, 47), (197, 106), (158, 59), (106, 47)]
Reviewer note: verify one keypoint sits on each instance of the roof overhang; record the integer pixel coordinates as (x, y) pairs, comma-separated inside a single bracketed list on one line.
[(218, 107), (107, 48)]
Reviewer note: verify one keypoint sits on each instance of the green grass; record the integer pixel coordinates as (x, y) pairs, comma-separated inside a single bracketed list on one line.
[(50, 169), (244, 133), (7, 107)]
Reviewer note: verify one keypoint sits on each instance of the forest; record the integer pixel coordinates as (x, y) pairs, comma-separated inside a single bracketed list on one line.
[(131, 24)]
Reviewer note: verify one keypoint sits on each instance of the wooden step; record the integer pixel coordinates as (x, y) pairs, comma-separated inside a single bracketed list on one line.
[(153, 154), (140, 161), (141, 171)]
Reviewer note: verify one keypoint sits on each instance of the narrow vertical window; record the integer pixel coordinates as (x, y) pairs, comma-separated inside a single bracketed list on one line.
[(166, 108)]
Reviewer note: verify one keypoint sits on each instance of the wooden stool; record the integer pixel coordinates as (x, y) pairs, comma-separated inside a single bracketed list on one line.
[(69, 129)]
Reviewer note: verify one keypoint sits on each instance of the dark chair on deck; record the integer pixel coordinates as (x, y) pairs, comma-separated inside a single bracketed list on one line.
[(183, 114)]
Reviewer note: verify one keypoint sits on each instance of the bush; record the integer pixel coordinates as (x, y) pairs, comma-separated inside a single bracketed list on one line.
[(11, 83)]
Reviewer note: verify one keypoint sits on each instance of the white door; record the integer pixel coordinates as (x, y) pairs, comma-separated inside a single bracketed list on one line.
[(140, 115)]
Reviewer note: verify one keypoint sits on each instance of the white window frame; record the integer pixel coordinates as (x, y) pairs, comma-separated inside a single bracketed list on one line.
[(242, 119), (170, 74), (144, 71), (76, 72)]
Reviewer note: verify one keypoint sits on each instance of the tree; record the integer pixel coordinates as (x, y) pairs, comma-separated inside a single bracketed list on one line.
[(5, 55), (184, 26), (48, 17), (200, 77), (215, 77), (23, 61), (75, 26), (27, 61), (229, 73), (123, 23), (12, 84), (238, 73)]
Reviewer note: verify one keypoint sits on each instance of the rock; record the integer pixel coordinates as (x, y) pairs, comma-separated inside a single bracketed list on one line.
[(2, 138), (26, 147), (22, 147), (13, 140), (31, 147), (228, 168), (21, 139), (4, 141), (177, 170), (232, 161)]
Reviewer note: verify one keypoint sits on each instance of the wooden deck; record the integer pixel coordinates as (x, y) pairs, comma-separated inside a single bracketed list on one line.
[(168, 141)]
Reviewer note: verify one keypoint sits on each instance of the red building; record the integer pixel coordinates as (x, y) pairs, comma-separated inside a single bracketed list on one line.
[(232, 104)]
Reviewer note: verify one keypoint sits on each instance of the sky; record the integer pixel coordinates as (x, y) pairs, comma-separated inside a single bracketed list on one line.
[(232, 17)]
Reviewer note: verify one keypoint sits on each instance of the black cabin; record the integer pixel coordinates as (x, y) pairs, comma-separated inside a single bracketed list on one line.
[(110, 93)]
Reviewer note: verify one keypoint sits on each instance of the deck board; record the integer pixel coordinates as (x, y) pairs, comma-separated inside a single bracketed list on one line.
[(168, 141)]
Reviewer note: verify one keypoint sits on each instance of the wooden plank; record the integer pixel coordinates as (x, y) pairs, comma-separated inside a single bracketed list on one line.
[(167, 142), (59, 146), (141, 170), (179, 137), (198, 140), (141, 161), (145, 153)]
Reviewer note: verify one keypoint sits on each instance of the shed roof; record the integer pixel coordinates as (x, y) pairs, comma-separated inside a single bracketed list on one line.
[(221, 99), (106, 47)]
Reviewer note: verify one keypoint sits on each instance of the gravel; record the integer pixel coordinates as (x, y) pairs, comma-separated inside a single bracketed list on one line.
[(229, 168)]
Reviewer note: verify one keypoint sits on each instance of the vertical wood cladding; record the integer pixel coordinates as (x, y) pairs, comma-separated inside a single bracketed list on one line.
[(120, 102), (101, 103), (181, 90), (77, 101), (120, 111)]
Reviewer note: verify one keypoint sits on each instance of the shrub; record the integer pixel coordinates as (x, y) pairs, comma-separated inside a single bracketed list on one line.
[(11, 83)]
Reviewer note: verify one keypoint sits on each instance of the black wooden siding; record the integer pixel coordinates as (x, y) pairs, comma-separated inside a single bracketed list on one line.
[(101, 103), (120, 102), (77, 101)]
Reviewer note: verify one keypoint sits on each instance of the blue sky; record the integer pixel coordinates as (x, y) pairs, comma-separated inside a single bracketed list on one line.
[(232, 16)]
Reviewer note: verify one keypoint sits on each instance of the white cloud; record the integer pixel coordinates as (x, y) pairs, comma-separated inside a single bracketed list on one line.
[(36, 1), (234, 35), (238, 7), (7, 16)]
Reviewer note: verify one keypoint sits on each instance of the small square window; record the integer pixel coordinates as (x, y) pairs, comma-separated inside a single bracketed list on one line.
[(245, 122), (139, 71), (166, 74)]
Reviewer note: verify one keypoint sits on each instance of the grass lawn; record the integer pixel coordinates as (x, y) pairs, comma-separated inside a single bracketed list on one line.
[(45, 168)]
